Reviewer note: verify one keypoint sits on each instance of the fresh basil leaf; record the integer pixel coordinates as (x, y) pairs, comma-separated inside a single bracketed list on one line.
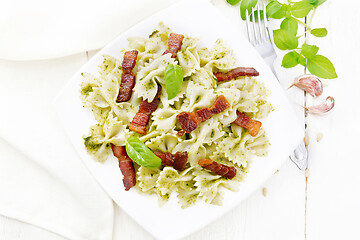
[(256, 13), (302, 60), (173, 79), (309, 51), (321, 67), (290, 24), (319, 32), (141, 154), (285, 40), (315, 2), (246, 5), (272, 8), (282, 12), (233, 2), (301, 9), (290, 60), (319, 2)]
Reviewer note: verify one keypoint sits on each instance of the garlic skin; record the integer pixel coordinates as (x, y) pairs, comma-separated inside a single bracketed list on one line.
[(309, 83), (322, 108)]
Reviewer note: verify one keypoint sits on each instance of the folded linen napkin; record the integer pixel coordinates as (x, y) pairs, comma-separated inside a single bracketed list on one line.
[(42, 180)]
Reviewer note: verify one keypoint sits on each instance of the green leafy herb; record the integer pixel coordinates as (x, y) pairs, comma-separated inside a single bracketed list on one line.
[(141, 154), (173, 79), (282, 12), (272, 8), (285, 40), (290, 24), (315, 2), (321, 67), (291, 59), (319, 32), (301, 9), (233, 2), (256, 14), (309, 51), (246, 5), (302, 60)]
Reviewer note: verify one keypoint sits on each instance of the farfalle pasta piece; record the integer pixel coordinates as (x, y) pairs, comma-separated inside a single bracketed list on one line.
[(219, 58), (149, 75), (188, 57)]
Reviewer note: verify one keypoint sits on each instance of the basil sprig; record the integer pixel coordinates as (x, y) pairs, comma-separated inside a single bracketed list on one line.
[(141, 154), (286, 38), (173, 79)]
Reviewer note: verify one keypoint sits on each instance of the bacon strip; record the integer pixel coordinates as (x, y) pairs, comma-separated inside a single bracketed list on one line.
[(126, 166), (127, 76), (167, 158), (177, 160), (142, 117), (235, 73), (174, 44), (253, 126), (180, 160), (217, 168), (190, 120)]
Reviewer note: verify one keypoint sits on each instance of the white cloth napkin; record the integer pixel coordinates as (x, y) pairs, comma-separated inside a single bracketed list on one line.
[(42, 180)]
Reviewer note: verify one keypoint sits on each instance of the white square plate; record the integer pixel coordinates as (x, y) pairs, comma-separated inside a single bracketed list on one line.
[(199, 19)]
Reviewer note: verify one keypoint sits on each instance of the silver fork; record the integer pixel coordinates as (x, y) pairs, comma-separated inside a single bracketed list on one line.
[(259, 37)]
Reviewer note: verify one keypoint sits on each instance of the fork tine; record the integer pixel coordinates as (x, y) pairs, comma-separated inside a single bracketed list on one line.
[(260, 25), (266, 29), (248, 26), (254, 26)]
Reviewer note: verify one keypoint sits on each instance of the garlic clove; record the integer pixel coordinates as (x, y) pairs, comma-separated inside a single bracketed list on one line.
[(309, 83), (322, 108)]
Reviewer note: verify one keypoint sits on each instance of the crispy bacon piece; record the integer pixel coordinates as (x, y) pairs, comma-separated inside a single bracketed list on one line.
[(177, 160), (219, 105), (235, 73), (174, 44), (126, 166), (126, 86), (167, 158), (129, 61), (180, 160), (217, 168), (127, 76), (142, 117), (253, 126), (190, 120)]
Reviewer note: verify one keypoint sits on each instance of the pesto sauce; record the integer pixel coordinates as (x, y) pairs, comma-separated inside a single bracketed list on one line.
[(90, 145), (153, 33), (212, 133), (149, 85), (86, 90)]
